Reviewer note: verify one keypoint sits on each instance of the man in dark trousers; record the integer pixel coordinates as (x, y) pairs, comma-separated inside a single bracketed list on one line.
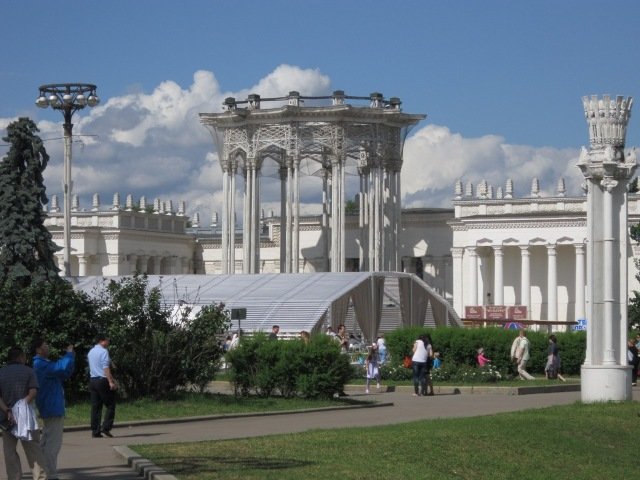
[(102, 387), (18, 382)]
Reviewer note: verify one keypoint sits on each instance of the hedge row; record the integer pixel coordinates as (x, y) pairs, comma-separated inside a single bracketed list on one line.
[(265, 367), (458, 346)]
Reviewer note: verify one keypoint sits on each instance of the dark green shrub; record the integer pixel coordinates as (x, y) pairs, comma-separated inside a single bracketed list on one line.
[(55, 312), (315, 369), (458, 346)]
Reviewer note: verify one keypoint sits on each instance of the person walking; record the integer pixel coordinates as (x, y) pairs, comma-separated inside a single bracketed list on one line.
[(520, 354), (50, 400), (634, 361), (552, 368), (419, 365), (102, 387), (372, 366), (428, 345), (382, 349), (18, 388)]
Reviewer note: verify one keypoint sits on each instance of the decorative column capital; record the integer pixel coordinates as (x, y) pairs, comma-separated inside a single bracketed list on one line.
[(609, 184), (524, 250), (551, 249), (498, 250), (457, 252)]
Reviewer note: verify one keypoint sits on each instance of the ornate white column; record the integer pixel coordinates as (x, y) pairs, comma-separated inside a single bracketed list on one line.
[(83, 260), (232, 220), (606, 375), (246, 221), (295, 247), (498, 275), (225, 217), (326, 230), (552, 283), (580, 281), (255, 230), (144, 263), (157, 265), (289, 220), (133, 262), (473, 275), (458, 278), (336, 240), (525, 278), (283, 220)]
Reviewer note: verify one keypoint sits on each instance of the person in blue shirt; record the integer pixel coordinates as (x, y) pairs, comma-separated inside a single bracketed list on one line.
[(50, 400), (102, 387)]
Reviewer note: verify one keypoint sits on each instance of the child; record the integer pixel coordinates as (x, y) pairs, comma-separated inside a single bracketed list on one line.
[(482, 360), (437, 363), (372, 366)]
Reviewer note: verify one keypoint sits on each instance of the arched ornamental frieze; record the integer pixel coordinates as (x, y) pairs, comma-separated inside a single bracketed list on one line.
[(323, 137)]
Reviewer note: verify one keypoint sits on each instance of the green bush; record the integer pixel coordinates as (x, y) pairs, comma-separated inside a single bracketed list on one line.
[(458, 346), (153, 354), (265, 367), (55, 312)]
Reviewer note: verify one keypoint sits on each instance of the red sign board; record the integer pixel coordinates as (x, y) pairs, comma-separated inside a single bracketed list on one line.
[(496, 312), (474, 312), (517, 312)]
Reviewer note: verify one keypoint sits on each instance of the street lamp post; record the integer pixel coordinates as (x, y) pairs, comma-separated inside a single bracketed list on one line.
[(68, 98)]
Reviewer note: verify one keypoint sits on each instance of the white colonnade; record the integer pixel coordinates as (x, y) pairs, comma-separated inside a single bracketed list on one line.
[(479, 270)]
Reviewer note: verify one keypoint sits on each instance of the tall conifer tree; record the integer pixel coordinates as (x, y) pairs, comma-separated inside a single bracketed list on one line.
[(26, 247)]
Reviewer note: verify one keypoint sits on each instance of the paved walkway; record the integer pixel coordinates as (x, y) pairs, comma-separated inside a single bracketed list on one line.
[(86, 458)]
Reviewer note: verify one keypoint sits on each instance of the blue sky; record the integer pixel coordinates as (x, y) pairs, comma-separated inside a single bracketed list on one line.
[(500, 81)]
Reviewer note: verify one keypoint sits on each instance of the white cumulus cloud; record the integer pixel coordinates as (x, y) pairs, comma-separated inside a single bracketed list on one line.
[(435, 158), (152, 144)]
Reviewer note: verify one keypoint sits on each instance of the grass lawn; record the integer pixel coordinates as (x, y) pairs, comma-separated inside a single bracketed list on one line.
[(570, 442), (195, 404)]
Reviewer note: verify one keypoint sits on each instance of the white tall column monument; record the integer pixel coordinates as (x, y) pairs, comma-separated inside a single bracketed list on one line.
[(605, 374)]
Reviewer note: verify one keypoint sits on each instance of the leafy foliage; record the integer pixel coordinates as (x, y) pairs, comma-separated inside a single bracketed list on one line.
[(26, 247), (315, 369), (54, 311), (153, 353), (633, 310), (458, 347)]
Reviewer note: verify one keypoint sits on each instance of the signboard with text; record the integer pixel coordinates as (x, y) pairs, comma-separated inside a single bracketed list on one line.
[(475, 312), (496, 312), (517, 312)]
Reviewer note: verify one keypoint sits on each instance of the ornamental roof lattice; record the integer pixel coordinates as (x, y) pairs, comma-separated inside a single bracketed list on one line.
[(317, 128)]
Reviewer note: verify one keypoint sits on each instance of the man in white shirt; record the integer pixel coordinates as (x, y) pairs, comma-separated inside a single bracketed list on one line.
[(520, 354), (102, 387)]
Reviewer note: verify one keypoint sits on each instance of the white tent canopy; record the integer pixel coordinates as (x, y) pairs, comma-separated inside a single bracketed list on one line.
[(296, 301)]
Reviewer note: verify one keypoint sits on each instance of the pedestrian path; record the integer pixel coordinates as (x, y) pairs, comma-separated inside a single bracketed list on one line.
[(85, 458)]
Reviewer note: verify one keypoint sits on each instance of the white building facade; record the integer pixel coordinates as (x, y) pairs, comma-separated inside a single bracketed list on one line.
[(490, 249), (527, 251)]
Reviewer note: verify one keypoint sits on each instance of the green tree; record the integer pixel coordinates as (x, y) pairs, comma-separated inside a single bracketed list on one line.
[(155, 353), (26, 247), (633, 310), (351, 207)]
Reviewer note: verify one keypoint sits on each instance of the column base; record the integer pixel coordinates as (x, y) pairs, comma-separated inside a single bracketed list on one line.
[(605, 383)]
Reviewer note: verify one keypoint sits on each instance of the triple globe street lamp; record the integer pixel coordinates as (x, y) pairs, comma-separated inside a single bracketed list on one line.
[(68, 98)]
